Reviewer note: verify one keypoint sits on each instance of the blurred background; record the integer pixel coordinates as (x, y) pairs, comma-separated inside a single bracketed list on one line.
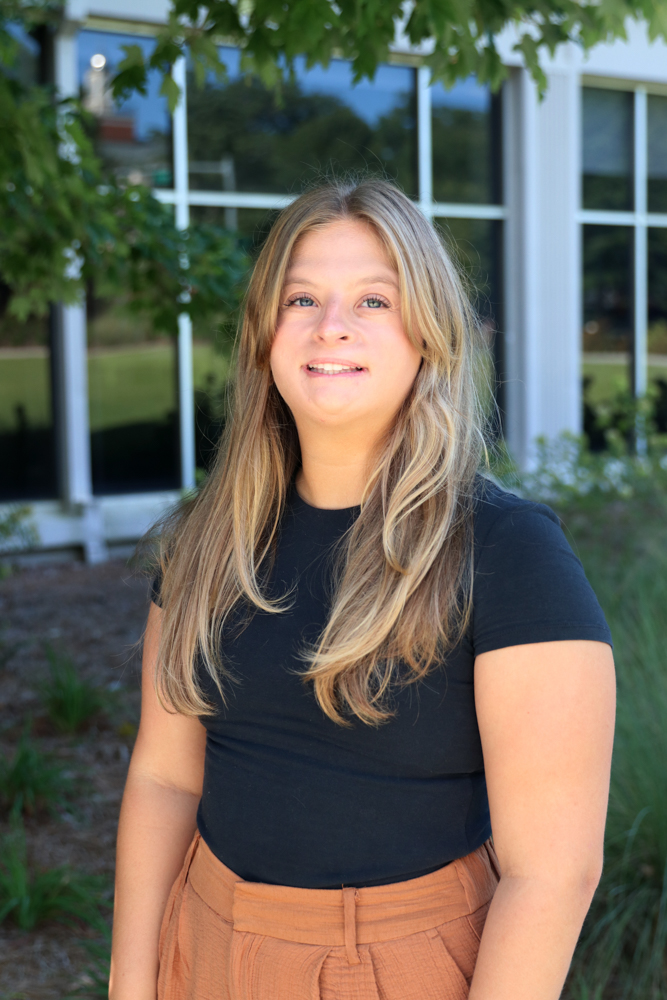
[(556, 211)]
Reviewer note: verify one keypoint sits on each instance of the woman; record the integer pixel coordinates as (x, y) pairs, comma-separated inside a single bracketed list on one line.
[(361, 659)]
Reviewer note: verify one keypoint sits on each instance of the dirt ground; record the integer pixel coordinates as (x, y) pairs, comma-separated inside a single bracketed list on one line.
[(94, 614)]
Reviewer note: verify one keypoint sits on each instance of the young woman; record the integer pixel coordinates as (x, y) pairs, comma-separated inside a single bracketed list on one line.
[(362, 658)]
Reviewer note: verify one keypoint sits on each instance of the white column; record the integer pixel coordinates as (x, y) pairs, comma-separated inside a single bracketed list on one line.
[(186, 400), (520, 107), (70, 363), (542, 284), (559, 405)]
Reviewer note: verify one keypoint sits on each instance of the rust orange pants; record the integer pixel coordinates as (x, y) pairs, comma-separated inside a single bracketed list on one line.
[(226, 939)]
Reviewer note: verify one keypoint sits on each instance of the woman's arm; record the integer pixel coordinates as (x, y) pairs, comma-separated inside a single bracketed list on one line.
[(157, 823), (546, 718)]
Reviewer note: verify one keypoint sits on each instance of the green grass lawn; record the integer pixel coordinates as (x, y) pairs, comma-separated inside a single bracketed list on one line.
[(26, 382), (127, 386)]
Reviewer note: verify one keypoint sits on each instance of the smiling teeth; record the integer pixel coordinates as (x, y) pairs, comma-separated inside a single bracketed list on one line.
[(332, 369)]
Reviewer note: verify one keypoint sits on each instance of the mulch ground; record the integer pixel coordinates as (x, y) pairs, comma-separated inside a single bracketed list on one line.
[(95, 615)]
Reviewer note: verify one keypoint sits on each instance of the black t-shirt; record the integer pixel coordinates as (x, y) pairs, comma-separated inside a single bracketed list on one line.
[(292, 798)]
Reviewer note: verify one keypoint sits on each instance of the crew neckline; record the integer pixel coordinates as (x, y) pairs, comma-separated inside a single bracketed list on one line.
[(297, 500)]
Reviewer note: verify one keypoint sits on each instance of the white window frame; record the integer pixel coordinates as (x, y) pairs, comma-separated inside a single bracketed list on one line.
[(640, 220)]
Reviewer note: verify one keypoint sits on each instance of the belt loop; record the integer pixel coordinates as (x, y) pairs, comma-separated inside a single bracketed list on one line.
[(350, 917)]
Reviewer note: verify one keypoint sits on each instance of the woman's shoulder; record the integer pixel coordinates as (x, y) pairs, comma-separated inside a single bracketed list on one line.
[(529, 585), (497, 509)]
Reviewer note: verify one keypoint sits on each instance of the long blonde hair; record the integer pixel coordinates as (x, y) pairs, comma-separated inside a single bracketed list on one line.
[(403, 586)]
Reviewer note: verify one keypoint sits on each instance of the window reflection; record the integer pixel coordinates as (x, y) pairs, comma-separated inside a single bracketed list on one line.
[(608, 324), (245, 137), (466, 143), (132, 383), (657, 325), (476, 246), (27, 445), (607, 149), (657, 153), (132, 138), (212, 340)]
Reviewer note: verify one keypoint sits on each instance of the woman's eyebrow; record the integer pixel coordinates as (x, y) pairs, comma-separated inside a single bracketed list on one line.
[(294, 279)]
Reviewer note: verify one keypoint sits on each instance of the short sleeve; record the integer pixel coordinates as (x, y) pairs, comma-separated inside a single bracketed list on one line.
[(156, 587), (529, 586)]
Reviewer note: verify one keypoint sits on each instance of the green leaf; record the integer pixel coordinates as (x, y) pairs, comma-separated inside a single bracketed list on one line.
[(131, 73), (170, 89)]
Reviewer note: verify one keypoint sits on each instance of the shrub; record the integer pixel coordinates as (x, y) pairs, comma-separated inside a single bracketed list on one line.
[(29, 897), (565, 472), (31, 780), (614, 508), (70, 701), (625, 939)]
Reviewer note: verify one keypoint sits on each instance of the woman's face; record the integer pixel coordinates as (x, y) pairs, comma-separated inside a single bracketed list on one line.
[(340, 356)]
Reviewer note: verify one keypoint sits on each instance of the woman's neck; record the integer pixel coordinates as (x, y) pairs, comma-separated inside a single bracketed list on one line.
[(334, 470)]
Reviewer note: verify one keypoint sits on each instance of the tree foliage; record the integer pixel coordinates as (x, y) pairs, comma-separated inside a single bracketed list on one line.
[(68, 225), (459, 37)]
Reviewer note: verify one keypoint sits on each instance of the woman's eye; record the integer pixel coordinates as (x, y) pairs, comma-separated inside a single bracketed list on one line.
[(301, 300), (373, 302)]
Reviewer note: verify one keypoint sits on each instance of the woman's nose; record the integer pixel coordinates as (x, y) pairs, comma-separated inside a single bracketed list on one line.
[(333, 325)]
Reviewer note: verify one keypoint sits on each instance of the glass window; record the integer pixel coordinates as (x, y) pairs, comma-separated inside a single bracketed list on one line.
[(132, 378), (27, 444), (245, 137), (132, 384), (657, 324), (657, 153), (607, 149), (466, 143), (608, 323), (134, 137), (476, 245), (212, 340)]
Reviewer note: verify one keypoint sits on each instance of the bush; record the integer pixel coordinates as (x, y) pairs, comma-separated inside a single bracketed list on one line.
[(614, 509), (70, 701), (31, 780), (29, 897), (565, 472), (625, 938)]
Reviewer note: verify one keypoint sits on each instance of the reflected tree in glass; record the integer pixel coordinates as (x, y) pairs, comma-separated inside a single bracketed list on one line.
[(476, 246), (607, 123), (657, 324), (608, 327), (657, 153), (466, 143), (245, 137)]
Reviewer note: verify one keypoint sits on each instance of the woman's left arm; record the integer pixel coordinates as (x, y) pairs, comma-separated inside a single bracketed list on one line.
[(546, 718)]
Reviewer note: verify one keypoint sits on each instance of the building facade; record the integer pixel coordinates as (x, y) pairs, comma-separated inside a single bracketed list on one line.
[(556, 210)]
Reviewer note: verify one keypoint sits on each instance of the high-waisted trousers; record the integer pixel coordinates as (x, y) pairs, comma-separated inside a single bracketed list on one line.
[(226, 939)]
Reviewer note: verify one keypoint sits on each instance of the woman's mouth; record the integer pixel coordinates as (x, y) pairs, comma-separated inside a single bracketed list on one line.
[(330, 368)]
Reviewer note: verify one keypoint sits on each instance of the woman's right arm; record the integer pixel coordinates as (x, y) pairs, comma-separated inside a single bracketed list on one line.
[(157, 823)]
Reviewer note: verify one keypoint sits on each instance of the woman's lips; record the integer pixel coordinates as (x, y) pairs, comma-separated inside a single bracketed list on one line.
[(329, 369)]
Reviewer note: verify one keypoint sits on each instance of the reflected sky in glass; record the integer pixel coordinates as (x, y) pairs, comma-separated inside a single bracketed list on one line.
[(134, 136)]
